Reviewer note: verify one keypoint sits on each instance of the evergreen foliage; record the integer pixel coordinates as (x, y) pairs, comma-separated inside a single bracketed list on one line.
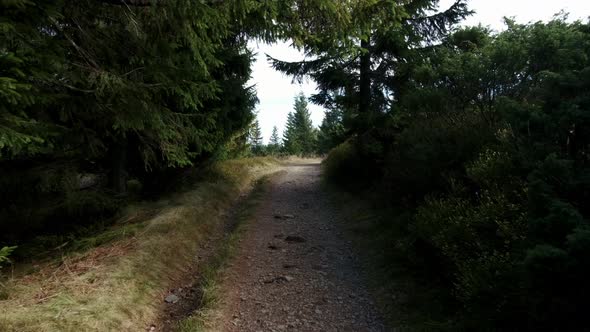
[(255, 138), (363, 70), (274, 145), (331, 132), (275, 140), (96, 93), (485, 148), (300, 135)]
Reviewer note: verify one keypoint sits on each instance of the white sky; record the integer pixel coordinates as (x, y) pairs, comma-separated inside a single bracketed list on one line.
[(276, 92)]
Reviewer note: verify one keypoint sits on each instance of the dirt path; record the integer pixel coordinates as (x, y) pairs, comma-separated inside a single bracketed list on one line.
[(294, 271)]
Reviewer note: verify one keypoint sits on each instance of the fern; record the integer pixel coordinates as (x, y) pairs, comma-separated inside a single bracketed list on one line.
[(4, 253)]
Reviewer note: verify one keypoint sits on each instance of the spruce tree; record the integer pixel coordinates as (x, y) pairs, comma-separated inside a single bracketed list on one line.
[(118, 89), (291, 144), (274, 144), (274, 137), (364, 69), (305, 129), (300, 137), (255, 138), (331, 132)]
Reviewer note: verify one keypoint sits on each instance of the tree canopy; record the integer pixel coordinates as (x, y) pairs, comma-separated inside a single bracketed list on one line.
[(115, 91)]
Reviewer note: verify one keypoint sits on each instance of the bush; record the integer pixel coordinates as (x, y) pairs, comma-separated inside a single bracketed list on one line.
[(344, 165), (432, 149)]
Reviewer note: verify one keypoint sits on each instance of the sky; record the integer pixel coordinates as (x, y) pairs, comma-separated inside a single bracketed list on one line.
[(277, 91)]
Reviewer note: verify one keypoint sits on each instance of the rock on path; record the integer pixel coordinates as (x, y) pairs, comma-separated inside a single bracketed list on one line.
[(295, 273)]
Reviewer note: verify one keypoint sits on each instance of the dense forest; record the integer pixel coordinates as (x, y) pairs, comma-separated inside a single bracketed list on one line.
[(98, 107), (476, 140), (479, 145)]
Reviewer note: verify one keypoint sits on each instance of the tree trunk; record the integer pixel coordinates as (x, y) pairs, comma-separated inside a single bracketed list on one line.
[(365, 84), (118, 166)]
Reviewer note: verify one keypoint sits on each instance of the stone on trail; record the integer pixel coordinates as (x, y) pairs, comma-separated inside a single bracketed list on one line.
[(172, 299)]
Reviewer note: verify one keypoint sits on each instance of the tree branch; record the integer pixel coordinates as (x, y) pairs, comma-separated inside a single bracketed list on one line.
[(134, 3)]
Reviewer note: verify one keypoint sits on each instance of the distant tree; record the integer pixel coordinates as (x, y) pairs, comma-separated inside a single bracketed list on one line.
[(255, 138), (300, 137), (290, 141), (274, 144), (274, 138)]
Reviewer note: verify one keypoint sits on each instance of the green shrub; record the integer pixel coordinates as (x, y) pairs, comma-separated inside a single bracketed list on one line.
[(4, 253), (344, 165), (432, 149)]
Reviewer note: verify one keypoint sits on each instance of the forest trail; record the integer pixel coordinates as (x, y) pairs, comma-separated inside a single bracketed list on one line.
[(293, 269)]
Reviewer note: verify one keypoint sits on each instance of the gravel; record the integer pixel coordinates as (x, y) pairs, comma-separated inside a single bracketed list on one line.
[(295, 274)]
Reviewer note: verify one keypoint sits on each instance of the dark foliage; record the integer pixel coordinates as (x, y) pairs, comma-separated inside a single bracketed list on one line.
[(96, 95), (486, 147)]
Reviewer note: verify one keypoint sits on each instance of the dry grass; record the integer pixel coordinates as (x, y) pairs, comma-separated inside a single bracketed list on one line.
[(120, 286)]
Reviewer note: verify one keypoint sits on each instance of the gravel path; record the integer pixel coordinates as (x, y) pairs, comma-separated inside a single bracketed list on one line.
[(294, 271)]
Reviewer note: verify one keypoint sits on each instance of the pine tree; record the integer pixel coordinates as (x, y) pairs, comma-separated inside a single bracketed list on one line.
[(300, 137), (391, 33), (255, 138), (274, 145), (130, 92), (130, 102), (291, 144), (274, 137), (305, 129), (331, 132), (26, 55)]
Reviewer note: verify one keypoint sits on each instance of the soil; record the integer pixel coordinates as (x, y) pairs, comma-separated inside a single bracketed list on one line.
[(294, 270)]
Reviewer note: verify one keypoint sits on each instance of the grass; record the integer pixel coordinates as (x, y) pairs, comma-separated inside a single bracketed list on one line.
[(118, 280), (210, 286)]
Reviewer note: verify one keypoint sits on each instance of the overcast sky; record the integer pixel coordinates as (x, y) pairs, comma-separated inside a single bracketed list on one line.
[(276, 92)]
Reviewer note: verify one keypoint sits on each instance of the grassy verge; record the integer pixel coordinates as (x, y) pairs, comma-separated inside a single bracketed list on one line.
[(211, 276), (119, 285), (410, 296)]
